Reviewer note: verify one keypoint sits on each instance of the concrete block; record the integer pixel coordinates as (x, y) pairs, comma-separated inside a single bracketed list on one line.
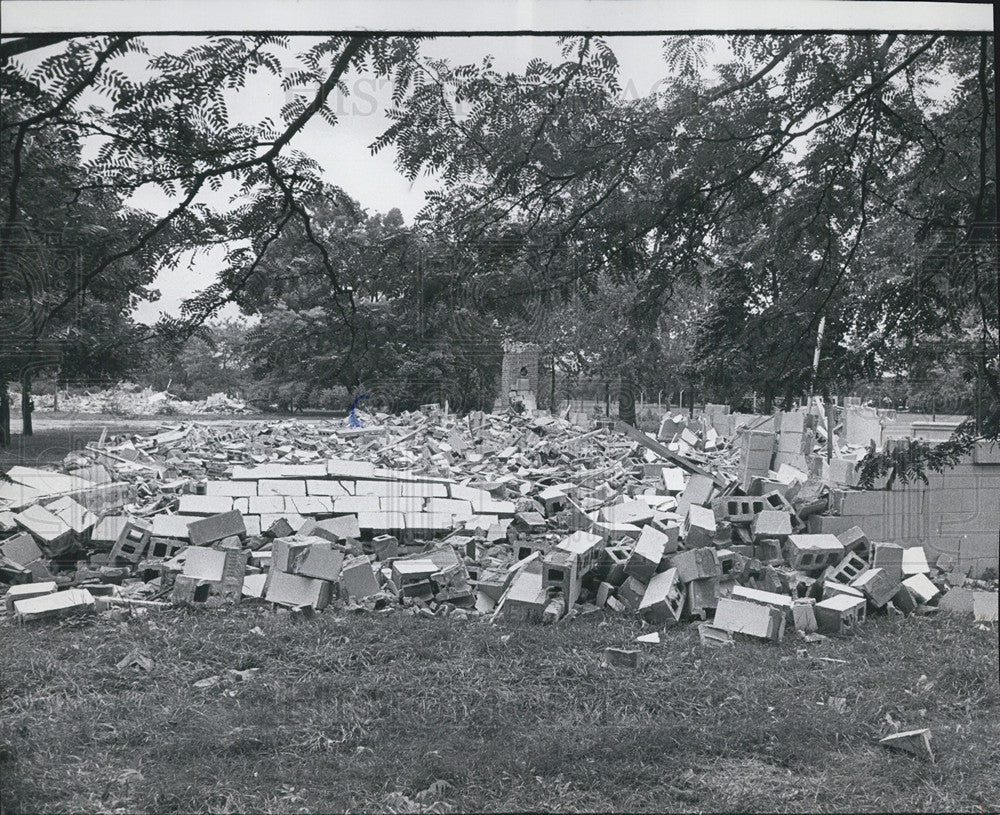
[(922, 588), (662, 600), (889, 556), (771, 523), (21, 549), (267, 505), (696, 564), (876, 586), (915, 561), (699, 527), (586, 549), (171, 526), (330, 488), (525, 598), (47, 527), (782, 602), (628, 512), (855, 540), (132, 543), (813, 552), (804, 615), (232, 489), (341, 528), (646, 555), (203, 564), (205, 504), (840, 614), (385, 547), (559, 571), (673, 480), (742, 509), (849, 568), (80, 519), (702, 595), (697, 492), (357, 581), (280, 487), (622, 657), (904, 600), (753, 619), (985, 606), (296, 590), (631, 593), (216, 527), (713, 637), (54, 606), (26, 590)]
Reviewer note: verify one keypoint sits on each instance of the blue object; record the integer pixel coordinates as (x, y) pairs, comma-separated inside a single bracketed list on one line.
[(352, 419)]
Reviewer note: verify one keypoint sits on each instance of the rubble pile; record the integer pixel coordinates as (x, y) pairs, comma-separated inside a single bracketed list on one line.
[(130, 400), (525, 518)]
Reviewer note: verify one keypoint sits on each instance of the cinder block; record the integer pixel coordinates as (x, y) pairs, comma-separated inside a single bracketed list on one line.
[(702, 595), (280, 487), (216, 527), (699, 527), (663, 599), (889, 556), (132, 543), (232, 489), (54, 606), (585, 548), (876, 586), (696, 564), (26, 590), (357, 581), (840, 614), (771, 523), (922, 588), (205, 504), (525, 598), (754, 619), (915, 561), (341, 528), (849, 568), (631, 593), (782, 602), (804, 615), (21, 549), (296, 590), (813, 552), (697, 492), (647, 554), (855, 540)]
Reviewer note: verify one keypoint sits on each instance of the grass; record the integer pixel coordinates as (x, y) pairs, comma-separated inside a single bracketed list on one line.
[(389, 712)]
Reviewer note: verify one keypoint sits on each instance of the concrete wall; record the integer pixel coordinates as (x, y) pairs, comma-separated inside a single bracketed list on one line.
[(956, 513)]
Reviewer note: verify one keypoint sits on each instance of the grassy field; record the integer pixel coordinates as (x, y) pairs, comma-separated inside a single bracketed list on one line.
[(57, 434), (390, 712)]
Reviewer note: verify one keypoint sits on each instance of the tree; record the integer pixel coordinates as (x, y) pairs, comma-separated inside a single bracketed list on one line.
[(809, 136), (171, 129)]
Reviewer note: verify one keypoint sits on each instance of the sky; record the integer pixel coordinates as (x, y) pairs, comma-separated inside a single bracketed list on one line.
[(343, 150)]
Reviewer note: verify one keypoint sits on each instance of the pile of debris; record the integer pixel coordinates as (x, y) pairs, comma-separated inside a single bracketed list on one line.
[(128, 399), (508, 517)]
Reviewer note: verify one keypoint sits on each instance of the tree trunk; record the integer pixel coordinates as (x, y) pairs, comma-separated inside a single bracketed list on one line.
[(552, 390), (26, 403), (607, 398), (626, 398), (768, 400), (4, 414)]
